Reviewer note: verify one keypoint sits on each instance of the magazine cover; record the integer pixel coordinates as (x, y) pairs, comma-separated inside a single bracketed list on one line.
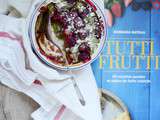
[(79, 59)]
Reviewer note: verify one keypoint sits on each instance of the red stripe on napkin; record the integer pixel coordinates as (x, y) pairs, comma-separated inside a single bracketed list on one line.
[(7, 35), (19, 39), (60, 113), (12, 37)]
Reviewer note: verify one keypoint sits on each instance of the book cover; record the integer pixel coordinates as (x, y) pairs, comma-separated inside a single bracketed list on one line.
[(129, 65)]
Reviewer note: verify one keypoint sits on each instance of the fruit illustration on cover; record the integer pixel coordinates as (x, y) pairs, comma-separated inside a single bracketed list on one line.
[(116, 8), (156, 4)]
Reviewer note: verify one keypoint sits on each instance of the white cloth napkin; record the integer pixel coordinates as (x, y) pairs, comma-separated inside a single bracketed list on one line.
[(19, 68)]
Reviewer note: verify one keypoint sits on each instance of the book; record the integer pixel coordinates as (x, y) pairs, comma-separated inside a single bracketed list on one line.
[(130, 64)]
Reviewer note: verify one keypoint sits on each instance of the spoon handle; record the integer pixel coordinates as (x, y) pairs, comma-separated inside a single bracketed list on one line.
[(78, 92)]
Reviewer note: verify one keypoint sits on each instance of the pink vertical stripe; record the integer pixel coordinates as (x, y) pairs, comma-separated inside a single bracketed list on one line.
[(60, 113)]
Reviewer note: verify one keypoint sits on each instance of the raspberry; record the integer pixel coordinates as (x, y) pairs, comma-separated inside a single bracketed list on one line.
[(56, 16), (71, 40), (84, 47), (84, 50), (85, 57)]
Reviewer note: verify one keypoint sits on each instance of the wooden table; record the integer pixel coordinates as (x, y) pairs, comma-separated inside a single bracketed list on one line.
[(15, 105)]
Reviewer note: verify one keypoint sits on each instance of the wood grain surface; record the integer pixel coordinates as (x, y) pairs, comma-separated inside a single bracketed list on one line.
[(15, 105)]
